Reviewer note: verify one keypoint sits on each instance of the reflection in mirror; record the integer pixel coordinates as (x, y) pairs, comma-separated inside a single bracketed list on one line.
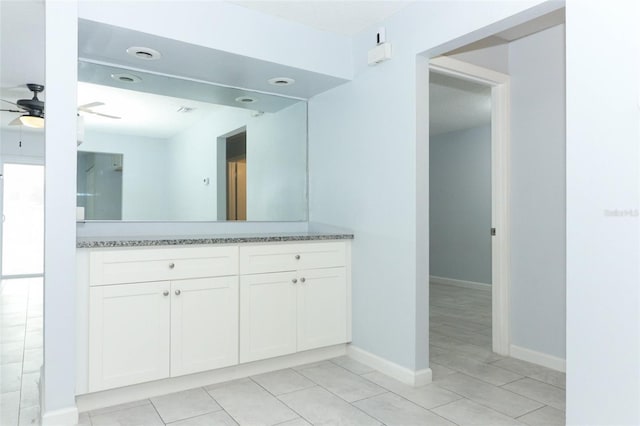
[(193, 151), (100, 185)]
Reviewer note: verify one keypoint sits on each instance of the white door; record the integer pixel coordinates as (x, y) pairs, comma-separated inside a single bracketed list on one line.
[(267, 315), (204, 324), (322, 308), (128, 334), (22, 225)]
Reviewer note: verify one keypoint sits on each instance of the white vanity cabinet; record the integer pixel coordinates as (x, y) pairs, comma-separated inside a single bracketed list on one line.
[(293, 297), (159, 312), (143, 331)]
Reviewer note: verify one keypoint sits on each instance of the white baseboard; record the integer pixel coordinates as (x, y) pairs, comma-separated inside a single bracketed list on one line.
[(64, 417), (107, 398), (535, 357), (459, 283), (391, 369)]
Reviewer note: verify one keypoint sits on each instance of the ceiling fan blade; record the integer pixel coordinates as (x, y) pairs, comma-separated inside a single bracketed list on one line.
[(100, 114), (90, 105), (11, 110), (12, 103)]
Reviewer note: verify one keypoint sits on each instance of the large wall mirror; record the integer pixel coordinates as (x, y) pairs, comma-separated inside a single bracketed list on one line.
[(164, 148)]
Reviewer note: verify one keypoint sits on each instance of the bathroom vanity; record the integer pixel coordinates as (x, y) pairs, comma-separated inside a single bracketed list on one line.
[(156, 311)]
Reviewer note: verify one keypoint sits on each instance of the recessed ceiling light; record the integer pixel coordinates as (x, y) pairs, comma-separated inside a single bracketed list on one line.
[(185, 109), (146, 53), (246, 99), (126, 78), (281, 81)]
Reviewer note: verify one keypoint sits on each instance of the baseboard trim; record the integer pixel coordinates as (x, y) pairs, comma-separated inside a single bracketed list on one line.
[(459, 283), (539, 358), (107, 398), (391, 369), (64, 417)]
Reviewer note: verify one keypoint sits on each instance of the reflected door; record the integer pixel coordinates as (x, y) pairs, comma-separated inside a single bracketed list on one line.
[(22, 220), (237, 190)]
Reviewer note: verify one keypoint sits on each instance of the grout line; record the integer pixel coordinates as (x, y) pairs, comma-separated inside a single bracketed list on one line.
[(281, 401)]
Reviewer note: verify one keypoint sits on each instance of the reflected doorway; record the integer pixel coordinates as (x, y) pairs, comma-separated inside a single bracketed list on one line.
[(236, 158)]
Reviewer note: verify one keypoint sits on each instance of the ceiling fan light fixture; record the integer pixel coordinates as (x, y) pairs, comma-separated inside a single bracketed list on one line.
[(32, 121)]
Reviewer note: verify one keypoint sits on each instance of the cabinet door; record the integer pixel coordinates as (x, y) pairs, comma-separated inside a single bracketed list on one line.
[(128, 334), (204, 324), (322, 308), (267, 315)]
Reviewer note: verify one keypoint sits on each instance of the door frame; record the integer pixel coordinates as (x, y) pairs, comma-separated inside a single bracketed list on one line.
[(14, 159), (500, 189)]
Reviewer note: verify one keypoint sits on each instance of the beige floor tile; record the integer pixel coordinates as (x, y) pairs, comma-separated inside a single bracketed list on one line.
[(320, 407), (219, 418), (428, 396), (469, 413), (393, 410), (341, 382), (250, 404), (545, 416), (184, 405), (352, 365), (137, 416), (547, 394), (283, 381), (494, 397)]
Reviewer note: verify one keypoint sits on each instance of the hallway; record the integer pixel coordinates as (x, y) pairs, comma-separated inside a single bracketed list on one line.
[(496, 389)]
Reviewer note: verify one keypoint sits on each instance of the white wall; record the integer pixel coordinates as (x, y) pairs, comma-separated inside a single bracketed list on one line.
[(145, 165), (16, 144), (61, 65), (538, 200), (193, 156), (460, 205), (369, 168), (277, 165), (603, 176)]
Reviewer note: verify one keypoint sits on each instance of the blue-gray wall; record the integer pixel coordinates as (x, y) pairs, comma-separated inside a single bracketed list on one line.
[(538, 196), (460, 205)]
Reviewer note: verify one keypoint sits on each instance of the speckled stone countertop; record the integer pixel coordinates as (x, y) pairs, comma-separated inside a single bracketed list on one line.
[(98, 242)]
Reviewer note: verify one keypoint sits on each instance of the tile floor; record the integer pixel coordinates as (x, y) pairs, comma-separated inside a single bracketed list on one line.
[(472, 386), (20, 351)]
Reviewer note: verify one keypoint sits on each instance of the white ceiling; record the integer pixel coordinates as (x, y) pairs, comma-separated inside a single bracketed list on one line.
[(456, 104), (341, 17)]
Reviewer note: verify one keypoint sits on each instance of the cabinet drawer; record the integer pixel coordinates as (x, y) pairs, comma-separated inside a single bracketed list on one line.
[(291, 257), (141, 265)]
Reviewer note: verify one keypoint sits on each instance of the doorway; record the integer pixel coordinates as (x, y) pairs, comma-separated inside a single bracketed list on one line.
[(236, 159), (22, 220), (497, 233), (21, 287)]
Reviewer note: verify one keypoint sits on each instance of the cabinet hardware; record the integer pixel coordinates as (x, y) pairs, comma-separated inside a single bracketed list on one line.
[(302, 280), (165, 293), (297, 257), (178, 292), (172, 265), (295, 280)]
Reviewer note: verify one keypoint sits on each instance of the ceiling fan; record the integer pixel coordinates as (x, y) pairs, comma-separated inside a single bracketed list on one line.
[(87, 108), (32, 110)]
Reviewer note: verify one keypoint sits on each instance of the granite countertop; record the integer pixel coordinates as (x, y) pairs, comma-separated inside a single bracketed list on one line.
[(141, 241)]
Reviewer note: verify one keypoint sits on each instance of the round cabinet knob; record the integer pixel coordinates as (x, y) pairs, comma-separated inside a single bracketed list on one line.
[(172, 265), (178, 292), (165, 293), (295, 280), (297, 257), (302, 280)]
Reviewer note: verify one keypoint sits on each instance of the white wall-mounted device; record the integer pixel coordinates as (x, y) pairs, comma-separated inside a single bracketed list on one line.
[(382, 51)]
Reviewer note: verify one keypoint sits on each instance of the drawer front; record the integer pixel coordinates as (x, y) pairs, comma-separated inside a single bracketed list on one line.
[(290, 257), (127, 266)]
